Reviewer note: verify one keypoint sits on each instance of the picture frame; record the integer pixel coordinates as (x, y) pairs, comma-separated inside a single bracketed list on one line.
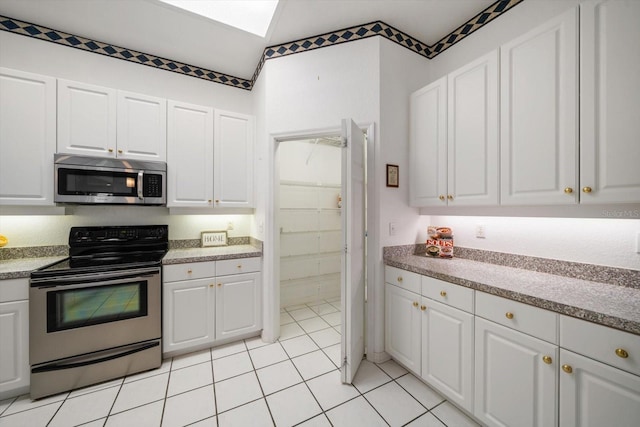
[(213, 238), (393, 176)]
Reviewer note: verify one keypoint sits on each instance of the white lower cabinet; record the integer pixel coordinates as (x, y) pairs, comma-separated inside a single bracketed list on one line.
[(515, 378), (205, 303), (402, 326), (447, 351), (14, 336)]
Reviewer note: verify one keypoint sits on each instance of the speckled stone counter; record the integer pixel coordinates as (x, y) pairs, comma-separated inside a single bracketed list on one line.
[(602, 303), (181, 256), (19, 268)]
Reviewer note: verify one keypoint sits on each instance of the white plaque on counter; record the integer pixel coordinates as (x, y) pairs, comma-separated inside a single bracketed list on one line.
[(213, 238)]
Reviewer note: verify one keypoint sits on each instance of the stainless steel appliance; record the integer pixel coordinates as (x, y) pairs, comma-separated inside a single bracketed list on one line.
[(96, 315), (98, 180)]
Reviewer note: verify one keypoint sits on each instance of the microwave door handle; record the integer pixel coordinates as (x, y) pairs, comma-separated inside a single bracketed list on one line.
[(140, 184)]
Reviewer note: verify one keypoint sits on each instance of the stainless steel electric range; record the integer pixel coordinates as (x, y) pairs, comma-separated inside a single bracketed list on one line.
[(96, 315)]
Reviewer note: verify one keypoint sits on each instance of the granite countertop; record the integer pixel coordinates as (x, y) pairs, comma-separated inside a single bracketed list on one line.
[(181, 256), (602, 303), (20, 268)]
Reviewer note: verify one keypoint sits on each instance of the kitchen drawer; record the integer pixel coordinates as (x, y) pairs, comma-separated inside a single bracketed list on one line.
[(238, 265), (448, 293), (14, 290), (402, 278), (531, 320), (601, 343), (192, 270)]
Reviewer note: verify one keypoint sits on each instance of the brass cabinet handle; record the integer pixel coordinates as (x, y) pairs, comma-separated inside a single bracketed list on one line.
[(443, 294), (217, 201), (567, 368), (211, 285), (450, 196), (240, 266), (509, 315), (120, 151), (621, 352), (441, 197), (209, 201), (415, 303), (189, 271), (399, 278), (110, 150), (568, 190), (423, 307), (219, 284), (547, 360), (586, 189)]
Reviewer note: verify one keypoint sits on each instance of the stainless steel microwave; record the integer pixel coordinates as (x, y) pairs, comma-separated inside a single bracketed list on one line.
[(98, 180)]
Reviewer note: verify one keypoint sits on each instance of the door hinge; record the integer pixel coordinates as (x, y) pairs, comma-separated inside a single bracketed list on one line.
[(345, 249), (344, 362), (344, 142)]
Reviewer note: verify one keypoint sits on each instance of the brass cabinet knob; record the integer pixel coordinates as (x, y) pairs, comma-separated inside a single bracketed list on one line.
[(441, 197), (567, 368), (110, 150), (509, 315), (586, 189), (415, 303), (399, 278), (240, 266), (211, 285), (120, 151), (443, 294), (568, 190), (547, 360), (209, 201), (189, 271), (621, 352), (219, 285), (450, 196), (423, 307), (217, 201)]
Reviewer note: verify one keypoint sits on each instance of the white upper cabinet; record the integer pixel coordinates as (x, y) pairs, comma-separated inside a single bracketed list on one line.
[(86, 119), (472, 137), (609, 102), (428, 145), (142, 127), (233, 159), (539, 141), (189, 155), (27, 138), (104, 122)]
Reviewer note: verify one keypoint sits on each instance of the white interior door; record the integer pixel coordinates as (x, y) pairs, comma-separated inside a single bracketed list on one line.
[(353, 225)]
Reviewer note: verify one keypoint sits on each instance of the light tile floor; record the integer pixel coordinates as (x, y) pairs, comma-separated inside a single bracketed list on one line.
[(294, 381)]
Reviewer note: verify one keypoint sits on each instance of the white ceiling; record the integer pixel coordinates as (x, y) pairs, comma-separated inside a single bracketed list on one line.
[(156, 28)]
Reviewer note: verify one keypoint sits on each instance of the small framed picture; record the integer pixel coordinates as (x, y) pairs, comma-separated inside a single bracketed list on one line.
[(392, 176), (213, 238)]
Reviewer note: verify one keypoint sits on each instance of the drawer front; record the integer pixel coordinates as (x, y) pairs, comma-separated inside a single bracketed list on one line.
[(238, 265), (601, 343), (14, 289), (188, 271), (402, 278), (448, 293), (531, 320)]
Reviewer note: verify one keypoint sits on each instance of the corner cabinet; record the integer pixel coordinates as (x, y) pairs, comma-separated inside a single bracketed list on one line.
[(189, 155), (27, 138), (233, 159), (539, 114), (210, 303), (609, 102), (14, 330), (454, 137)]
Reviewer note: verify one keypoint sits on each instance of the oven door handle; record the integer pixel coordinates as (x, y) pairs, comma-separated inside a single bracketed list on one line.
[(140, 185), (76, 362), (91, 280)]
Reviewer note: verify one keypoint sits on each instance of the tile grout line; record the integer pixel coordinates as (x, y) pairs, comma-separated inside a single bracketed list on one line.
[(255, 372)]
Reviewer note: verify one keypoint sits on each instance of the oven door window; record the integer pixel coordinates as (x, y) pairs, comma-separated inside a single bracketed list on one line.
[(76, 308), (80, 182)]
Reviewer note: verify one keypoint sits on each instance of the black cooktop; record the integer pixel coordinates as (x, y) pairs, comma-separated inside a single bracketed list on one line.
[(102, 249)]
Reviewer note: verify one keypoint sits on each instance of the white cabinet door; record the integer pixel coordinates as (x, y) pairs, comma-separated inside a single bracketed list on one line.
[(447, 351), (238, 305), (402, 326), (609, 102), (189, 155), (428, 145), (86, 119), (472, 136), (14, 351), (142, 127), (233, 160), (593, 394), (188, 314), (27, 138), (539, 142), (514, 384)]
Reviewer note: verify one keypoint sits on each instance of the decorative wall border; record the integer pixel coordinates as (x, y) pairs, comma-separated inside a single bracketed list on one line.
[(357, 32)]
